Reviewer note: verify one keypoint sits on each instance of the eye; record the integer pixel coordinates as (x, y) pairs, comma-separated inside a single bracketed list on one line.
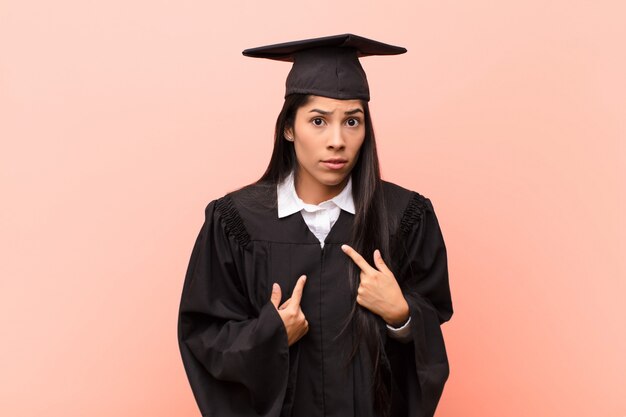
[(353, 122), (316, 120)]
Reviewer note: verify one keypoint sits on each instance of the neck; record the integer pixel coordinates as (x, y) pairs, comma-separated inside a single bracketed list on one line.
[(313, 192)]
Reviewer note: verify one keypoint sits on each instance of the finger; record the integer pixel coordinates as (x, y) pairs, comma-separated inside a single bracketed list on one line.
[(359, 300), (284, 305), (276, 295), (380, 263), (357, 258), (296, 296)]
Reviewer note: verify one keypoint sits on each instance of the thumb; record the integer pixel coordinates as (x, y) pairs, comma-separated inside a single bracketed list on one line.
[(276, 295), (380, 263)]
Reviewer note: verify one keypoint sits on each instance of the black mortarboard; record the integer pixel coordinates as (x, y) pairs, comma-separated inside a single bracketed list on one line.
[(327, 66)]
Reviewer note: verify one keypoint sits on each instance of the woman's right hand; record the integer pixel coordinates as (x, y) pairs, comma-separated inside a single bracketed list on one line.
[(290, 312)]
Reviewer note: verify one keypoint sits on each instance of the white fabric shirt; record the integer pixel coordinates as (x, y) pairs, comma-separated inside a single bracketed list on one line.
[(320, 218)]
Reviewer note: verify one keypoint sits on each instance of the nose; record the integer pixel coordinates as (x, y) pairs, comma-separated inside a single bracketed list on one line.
[(336, 140)]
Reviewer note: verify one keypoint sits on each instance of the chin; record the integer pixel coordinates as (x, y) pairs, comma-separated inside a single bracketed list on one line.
[(332, 179)]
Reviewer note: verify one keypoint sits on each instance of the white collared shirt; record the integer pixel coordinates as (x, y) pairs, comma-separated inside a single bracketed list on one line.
[(320, 218)]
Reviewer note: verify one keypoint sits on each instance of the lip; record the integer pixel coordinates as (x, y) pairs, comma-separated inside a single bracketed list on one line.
[(335, 163)]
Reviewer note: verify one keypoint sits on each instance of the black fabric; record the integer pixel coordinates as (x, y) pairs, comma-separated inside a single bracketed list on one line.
[(327, 66), (234, 344)]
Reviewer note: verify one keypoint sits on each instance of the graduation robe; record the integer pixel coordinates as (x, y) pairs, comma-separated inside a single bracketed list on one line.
[(233, 342)]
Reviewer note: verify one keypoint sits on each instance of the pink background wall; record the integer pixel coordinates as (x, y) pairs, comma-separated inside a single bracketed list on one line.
[(120, 120)]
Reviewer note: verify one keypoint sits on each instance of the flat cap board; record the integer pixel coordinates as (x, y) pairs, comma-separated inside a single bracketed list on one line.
[(326, 66)]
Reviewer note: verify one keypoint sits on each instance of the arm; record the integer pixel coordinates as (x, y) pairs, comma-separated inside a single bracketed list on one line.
[(235, 354), (402, 333), (421, 367), (420, 294), (380, 293)]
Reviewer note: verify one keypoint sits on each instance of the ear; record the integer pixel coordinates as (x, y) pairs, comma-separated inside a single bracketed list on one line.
[(289, 134)]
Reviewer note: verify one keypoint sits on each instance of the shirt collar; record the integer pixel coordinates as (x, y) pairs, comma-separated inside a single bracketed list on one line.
[(289, 202)]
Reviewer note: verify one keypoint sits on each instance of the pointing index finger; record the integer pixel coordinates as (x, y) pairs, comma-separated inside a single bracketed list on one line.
[(296, 296), (357, 258)]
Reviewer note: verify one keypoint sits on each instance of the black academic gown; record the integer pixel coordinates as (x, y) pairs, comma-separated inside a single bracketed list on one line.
[(233, 342)]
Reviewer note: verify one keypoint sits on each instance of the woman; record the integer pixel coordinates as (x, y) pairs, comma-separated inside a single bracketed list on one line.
[(320, 289)]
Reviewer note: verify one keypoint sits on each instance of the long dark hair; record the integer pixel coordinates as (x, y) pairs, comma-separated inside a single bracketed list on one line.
[(370, 231)]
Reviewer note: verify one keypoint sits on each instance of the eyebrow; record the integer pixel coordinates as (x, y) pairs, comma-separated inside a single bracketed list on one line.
[(353, 111)]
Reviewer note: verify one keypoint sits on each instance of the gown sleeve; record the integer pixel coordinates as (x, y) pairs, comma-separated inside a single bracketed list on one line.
[(235, 354), (420, 367)]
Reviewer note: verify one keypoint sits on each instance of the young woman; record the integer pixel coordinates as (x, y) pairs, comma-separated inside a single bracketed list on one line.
[(320, 289)]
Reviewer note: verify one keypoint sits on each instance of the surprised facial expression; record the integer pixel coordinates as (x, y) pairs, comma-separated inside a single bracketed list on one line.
[(327, 136)]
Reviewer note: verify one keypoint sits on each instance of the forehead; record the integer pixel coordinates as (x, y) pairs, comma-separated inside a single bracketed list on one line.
[(330, 104)]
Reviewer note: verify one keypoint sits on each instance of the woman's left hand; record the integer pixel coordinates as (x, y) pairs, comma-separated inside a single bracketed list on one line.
[(379, 291)]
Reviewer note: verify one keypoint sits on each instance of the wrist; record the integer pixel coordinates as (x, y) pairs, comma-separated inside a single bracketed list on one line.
[(399, 316)]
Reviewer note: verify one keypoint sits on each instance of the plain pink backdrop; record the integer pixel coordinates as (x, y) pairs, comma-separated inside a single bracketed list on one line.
[(121, 120)]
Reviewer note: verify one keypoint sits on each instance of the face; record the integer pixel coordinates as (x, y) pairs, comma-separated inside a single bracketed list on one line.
[(327, 136)]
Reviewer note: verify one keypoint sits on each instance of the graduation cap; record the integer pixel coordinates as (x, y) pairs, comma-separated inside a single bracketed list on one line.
[(328, 66)]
